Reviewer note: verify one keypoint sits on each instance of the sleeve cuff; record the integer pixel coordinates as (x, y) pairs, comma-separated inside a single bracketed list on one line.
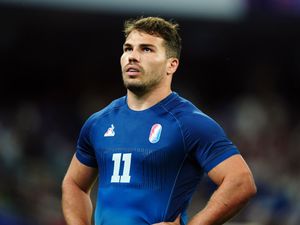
[(214, 162), (88, 161)]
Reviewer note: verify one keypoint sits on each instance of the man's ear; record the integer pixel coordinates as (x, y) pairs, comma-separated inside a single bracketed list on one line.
[(172, 66)]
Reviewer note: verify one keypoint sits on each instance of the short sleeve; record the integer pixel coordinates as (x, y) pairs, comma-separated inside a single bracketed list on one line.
[(85, 152), (215, 152), (208, 142)]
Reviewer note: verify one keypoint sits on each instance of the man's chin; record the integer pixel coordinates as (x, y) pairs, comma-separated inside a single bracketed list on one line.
[(136, 88)]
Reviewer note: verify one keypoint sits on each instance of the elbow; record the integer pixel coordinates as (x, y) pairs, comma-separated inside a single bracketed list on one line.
[(251, 192), (248, 186), (244, 186), (251, 185), (253, 189)]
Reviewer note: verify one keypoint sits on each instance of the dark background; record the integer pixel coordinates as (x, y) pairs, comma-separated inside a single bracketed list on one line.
[(57, 66)]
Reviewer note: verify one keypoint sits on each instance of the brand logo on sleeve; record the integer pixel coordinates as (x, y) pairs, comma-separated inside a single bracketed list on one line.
[(110, 131), (155, 133)]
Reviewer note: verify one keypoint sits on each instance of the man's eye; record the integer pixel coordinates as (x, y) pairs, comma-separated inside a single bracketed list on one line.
[(127, 49), (147, 50)]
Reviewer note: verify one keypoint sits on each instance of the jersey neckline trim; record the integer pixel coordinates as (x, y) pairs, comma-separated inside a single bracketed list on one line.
[(164, 101)]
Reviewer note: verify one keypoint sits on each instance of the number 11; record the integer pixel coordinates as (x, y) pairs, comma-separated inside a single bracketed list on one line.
[(125, 178)]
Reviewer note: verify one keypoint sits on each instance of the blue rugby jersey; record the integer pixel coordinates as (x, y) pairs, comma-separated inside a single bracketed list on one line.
[(150, 161)]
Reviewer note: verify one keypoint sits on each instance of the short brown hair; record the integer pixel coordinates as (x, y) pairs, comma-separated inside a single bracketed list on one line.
[(160, 27)]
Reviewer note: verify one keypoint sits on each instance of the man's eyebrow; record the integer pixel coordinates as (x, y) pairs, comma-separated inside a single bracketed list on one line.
[(126, 44), (140, 45), (148, 45)]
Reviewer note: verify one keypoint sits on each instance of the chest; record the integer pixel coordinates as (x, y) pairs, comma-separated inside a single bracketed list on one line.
[(138, 151)]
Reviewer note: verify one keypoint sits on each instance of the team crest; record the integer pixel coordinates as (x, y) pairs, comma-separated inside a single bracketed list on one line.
[(155, 133)]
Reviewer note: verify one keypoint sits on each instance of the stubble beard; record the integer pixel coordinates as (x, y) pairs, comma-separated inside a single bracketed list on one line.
[(137, 88), (140, 87)]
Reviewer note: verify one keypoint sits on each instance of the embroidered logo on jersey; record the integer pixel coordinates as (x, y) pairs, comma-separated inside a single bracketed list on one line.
[(110, 131), (155, 132)]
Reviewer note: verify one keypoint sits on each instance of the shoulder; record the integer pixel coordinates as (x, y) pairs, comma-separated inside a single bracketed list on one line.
[(114, 105), (191, 119)]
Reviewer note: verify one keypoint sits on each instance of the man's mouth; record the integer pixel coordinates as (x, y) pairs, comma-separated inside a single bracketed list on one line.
[(133, 70)]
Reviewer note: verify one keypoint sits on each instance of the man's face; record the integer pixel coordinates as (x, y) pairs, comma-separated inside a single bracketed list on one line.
[(143, 62)]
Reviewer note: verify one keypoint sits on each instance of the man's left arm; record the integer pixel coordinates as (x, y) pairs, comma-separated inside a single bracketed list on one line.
[(235, 187)]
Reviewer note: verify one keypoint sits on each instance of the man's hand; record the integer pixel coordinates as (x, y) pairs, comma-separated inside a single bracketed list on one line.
[(175, 222)]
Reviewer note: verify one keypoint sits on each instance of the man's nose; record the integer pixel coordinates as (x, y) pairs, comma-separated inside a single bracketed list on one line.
[(134, 56)]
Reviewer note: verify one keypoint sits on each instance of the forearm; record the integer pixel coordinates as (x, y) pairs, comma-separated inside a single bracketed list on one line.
[(226, 202), (76, 204)]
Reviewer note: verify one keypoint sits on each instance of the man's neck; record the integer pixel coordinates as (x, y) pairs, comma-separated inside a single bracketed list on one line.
[(146, 100)]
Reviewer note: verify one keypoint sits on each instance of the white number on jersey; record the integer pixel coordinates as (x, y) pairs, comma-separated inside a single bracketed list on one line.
[(126, 158)]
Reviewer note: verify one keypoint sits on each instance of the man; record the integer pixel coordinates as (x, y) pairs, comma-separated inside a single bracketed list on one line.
[(150, 148)]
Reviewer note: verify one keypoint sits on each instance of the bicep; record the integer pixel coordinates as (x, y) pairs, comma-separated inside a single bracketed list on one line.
[(81, 175), (233, 167)]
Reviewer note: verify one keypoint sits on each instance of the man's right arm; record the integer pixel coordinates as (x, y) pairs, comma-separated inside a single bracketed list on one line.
[(76, 188)]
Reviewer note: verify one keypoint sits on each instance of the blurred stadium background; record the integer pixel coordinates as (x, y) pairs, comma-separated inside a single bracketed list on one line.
[(59, 62)]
